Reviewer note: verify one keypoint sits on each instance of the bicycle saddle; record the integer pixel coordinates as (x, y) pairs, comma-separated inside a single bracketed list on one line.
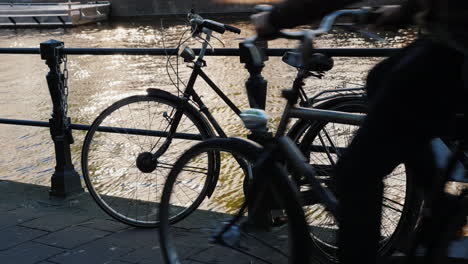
[(318, 61)]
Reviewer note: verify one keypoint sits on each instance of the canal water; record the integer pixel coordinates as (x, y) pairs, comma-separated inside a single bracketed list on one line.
[(96, 81)]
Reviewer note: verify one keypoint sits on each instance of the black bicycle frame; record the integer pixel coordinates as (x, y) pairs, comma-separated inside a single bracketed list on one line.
[(286, 146), (190, 92), (288, 149)]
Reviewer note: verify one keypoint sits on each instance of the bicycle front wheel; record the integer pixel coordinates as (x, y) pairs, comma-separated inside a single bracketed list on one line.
[(322, 143), (119, 171), (194, 239)]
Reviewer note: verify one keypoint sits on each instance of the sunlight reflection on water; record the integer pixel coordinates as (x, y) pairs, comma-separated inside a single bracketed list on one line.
[(98, 81)]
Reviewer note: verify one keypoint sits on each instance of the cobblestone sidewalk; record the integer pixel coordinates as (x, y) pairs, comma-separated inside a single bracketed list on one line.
[(36, 229)]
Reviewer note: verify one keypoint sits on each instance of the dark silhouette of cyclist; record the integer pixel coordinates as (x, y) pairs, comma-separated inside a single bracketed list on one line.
[(412, 97)]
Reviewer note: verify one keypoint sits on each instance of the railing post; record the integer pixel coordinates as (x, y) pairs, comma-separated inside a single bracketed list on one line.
[(256, 85), (253, 57), (65, 180)]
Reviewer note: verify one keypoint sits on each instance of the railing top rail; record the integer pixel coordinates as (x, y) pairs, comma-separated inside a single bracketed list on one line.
[(34, 15), (334, 52), (39, 4)]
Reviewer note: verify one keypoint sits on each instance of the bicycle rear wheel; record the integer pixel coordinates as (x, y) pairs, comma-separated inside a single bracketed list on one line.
[(192, 240), (122, 180), (322, 143)]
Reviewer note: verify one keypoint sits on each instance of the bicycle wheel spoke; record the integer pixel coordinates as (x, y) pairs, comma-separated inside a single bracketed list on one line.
[(332, 162), (110, 158), (336, 151), (324, 143), (188, 168), (394, 202), (220, 214)]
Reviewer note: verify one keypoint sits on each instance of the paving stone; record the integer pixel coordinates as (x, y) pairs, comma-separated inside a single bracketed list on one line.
[(105, 225), (151, 255), (135, 238), (16, 235), (71, 237), (209, 256), (123, 262), (194, 244), (146, 255), (28, 253), (99, 251), (54, 222), (216, 253), (4, 207), (459, 249), (18, 216), (190, 253), (185, 238)]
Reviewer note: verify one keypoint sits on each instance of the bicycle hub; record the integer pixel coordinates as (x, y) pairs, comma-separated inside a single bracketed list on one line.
[(145, 162)]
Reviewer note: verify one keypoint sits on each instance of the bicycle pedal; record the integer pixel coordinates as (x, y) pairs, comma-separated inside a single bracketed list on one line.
[(280, 221)]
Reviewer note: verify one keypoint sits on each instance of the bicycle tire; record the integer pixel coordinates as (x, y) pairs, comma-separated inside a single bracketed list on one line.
[(242, 149), (121, 189), (444, 226), (306, 134)]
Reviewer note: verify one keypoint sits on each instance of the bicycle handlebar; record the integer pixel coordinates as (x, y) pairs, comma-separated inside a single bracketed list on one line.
[(328, 21), (232, 29), (325, 26), (216, 26), (253, 56)]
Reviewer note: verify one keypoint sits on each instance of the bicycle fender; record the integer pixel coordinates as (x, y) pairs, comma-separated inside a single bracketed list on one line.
[(300, 124), (155, 92)]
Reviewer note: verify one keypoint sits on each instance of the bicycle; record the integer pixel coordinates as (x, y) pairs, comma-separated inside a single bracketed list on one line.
[(445, 212), (131, 145), (265, 196)]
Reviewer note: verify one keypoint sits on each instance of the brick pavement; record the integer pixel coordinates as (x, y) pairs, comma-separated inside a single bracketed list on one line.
[(37, 229)]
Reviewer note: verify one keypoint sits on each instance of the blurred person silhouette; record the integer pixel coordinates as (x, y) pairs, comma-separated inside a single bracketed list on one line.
[(412, 97)]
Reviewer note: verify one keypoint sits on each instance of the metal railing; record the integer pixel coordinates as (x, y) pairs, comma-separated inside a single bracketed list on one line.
[(65, 180), (334, 52)]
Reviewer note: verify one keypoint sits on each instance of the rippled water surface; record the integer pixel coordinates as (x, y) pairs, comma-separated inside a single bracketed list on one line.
[(97, 81)]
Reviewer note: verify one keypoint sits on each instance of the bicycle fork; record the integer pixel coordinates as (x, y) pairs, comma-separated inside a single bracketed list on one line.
[(147, 162)]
